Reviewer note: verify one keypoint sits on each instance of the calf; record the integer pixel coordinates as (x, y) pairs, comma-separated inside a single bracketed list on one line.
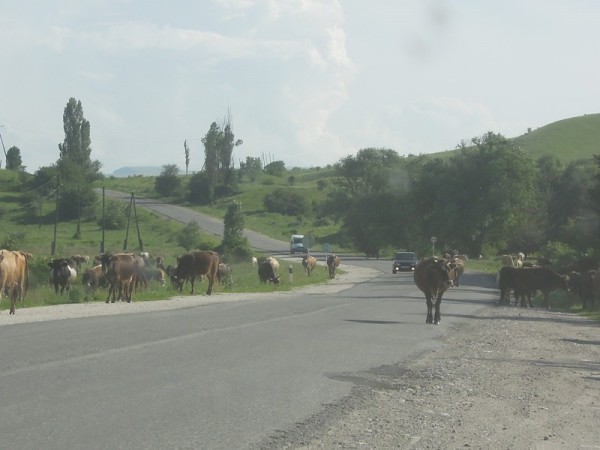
[(94, 278), (224, 273), (63, 273)]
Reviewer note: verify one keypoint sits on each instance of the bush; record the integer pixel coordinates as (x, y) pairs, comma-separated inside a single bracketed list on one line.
[(285, 202), (168, 183), (13, 241), (115, 215)]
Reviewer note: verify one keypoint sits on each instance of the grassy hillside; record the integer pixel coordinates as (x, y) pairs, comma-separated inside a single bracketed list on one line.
[(569, 139)]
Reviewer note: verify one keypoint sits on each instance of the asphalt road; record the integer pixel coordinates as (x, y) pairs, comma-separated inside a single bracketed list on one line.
[(225, 375)]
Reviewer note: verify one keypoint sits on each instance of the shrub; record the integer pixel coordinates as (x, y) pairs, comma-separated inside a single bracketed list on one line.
[(285, 202)]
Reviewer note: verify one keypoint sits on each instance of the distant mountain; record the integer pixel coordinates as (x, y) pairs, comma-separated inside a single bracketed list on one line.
[(147, 171)]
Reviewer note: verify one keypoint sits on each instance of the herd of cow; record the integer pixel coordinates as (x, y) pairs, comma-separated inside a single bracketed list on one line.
[(123, 273), (516, 278)]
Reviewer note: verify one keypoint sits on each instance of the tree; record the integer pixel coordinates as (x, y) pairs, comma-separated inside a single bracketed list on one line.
[(187, 156), (168, 182), (275, 168), (235, 245), (13, 159), (75, 167), (189, 237), (252, 167), (200, 190), (218, 163)]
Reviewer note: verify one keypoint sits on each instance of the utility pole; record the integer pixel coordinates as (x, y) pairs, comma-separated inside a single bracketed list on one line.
[(53, 248)]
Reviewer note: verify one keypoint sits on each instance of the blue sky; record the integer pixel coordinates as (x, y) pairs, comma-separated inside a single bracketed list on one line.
[(305, 81)]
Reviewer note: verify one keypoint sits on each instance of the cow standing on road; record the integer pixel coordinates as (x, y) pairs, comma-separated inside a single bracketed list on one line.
[(433, 276)]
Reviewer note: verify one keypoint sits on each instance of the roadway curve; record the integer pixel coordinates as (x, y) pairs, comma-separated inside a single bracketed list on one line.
[(222, 373)]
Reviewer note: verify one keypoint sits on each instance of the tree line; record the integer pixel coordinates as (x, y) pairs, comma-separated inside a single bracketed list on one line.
[(487, 197)]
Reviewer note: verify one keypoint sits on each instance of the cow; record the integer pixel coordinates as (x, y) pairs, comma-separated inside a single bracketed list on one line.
[(274, 263), (506, 282), (193, 265), (266, 272), (458, 266), (530, 279), (224, 273), (120, 270), (155, 274), (433, 276), (309, 263), (94, 277), (333, 262), (63, 272), (590, 287), (14, 275), (80, 259)]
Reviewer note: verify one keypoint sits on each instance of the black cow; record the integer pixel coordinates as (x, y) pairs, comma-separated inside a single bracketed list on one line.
[(266, 272), (433, 276), (63, 273), (530, 279)]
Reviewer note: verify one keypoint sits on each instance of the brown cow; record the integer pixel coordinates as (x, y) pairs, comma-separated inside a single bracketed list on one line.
[(333, 262), (94, 277), (193, 265), (120, 270), (458, 266), (309, 263), (433, 276), (530, 279), (13, 275)]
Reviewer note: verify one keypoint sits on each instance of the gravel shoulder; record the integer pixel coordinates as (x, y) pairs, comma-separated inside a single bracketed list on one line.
[(509, 378)]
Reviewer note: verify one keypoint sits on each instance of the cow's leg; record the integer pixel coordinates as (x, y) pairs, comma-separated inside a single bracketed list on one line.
[(429, 309), (193, 281), (546, 298), (438, 303), (211, 281)]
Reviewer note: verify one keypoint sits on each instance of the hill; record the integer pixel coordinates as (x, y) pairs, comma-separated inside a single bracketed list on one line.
[(569, 139), (573, 139), (148, 171)]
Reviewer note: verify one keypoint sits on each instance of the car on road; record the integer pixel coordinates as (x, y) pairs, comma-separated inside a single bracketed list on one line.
[(404, 261)]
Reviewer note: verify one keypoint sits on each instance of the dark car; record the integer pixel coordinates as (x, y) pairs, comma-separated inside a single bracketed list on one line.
[(404, 261)]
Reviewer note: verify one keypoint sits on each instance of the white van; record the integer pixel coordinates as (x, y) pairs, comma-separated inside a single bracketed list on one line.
[(296, 244)]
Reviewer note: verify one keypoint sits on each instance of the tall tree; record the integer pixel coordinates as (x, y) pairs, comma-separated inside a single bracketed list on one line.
[(187, 156), (75, 167), (235, 245), (218, 162), (13, 159)]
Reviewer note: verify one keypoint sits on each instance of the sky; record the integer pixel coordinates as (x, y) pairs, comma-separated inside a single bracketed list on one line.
[(306, 82)]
